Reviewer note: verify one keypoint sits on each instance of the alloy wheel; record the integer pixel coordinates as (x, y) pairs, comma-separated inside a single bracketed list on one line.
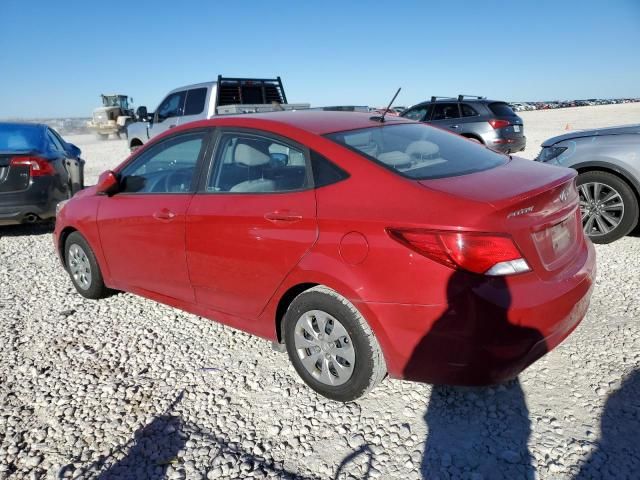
[(601, 207), (79, 266), (324, 347)]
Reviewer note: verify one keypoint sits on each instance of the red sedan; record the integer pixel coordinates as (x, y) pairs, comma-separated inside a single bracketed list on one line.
[(367, 247)]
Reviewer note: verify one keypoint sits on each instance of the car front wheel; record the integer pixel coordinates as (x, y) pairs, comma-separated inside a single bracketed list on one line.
[(83, 268), (331, 346), (608, 205)]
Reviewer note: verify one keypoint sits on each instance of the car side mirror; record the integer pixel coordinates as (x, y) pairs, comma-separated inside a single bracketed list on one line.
[(73, 150), (141, 113), (107, 183)]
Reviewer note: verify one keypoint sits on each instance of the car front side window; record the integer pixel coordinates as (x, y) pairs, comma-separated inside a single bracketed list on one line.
[(168, 167), (172, 106), (417, 113), (445, 111)]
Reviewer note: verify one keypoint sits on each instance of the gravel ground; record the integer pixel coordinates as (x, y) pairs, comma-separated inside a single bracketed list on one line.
[(128, 388)]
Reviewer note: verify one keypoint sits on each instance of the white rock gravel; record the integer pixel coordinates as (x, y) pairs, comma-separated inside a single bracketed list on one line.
[(127, 388)]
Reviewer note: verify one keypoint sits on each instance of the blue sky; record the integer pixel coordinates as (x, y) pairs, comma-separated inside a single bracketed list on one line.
[(57, 57)]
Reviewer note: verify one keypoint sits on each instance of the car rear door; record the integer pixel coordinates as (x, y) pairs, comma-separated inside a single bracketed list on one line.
[(251, 222), (194, 105), (142, 227)]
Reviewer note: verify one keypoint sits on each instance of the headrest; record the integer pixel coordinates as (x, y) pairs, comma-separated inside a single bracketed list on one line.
[(358, 139), (394, 158), (248, 154), (424, 149)]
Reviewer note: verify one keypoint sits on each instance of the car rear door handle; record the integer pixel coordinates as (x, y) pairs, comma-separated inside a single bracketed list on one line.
[(283, 216), (171, 126), (164, 215), (454, 126)]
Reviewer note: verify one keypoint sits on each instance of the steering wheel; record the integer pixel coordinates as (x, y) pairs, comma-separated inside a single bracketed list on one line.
[(180, 179)]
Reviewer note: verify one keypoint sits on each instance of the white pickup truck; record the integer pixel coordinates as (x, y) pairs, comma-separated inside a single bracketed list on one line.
[(205, 100)]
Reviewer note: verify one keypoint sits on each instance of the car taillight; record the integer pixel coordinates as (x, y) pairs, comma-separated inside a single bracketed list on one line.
[(496, 124), (38, 167), (483, 253)]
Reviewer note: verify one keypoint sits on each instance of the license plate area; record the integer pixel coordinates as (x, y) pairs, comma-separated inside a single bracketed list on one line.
[(516, 128), (555, 242)]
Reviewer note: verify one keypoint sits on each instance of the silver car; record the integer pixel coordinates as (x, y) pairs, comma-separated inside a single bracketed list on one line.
[(608, 165)]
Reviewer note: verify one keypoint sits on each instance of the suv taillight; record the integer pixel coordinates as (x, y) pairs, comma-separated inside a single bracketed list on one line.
[(484, 253), (496, 124), (38, 166)]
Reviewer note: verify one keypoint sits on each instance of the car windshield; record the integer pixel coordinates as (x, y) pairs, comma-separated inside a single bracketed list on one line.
[(420, 151), (20, 138)]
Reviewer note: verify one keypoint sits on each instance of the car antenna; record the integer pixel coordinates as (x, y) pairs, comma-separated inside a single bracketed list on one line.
[(381, 118)]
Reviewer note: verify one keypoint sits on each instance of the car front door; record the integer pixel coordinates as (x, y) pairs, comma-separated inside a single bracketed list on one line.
[(446, 115), (168, 113), (142, 227), (251, 223)]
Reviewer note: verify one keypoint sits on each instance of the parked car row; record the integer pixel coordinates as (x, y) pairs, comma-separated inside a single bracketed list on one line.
[(526, 106)]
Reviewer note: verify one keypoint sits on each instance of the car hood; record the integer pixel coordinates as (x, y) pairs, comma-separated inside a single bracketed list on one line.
[(620, 130)]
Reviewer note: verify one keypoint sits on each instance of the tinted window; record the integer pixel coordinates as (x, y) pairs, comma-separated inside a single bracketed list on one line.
[(172, 106), (252, 164), (54, 142), (417, 113), (501, 109), (445, 111), (15, 137), (419, 151), (195, 101), (166, 168), (467, 110), (325, 172)]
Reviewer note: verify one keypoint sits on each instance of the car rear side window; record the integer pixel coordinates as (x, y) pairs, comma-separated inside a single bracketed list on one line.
[(467, 110), (194, 104), (256, 164), (445, 111), (419, 151), (501, 109), (325, 172)]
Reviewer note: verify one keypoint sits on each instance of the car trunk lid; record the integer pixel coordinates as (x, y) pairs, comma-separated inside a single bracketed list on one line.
[(538, 207), (13, 178)]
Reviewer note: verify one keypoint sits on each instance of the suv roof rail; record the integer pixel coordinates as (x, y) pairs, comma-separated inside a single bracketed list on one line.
[(434, 98), (477, 97)]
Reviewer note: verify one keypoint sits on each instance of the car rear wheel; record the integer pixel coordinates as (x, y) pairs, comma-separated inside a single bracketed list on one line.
[(331, 346), (608, 205), (83, 268)]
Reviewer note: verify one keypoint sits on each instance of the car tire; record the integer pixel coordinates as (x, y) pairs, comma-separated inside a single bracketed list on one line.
[(83, 268), (609, 184), (331, 346)]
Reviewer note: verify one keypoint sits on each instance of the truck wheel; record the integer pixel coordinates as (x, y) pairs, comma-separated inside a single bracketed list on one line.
[(608, 205), (331, 346)]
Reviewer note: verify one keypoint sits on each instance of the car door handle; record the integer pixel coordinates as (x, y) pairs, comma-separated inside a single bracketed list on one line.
[(164, 215), (171, 126), (281, 216), (454, 126)]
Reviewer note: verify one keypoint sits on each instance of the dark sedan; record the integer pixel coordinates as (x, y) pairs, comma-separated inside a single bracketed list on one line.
[(38, 169)]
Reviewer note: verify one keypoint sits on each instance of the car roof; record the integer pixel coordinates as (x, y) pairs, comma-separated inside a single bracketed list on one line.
[(314, 121)]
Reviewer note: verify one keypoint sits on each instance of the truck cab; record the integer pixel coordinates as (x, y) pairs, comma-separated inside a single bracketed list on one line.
[(205, 100)]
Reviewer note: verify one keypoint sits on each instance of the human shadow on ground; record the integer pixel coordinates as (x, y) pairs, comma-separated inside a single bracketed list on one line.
[(475, 432), (617, 453)]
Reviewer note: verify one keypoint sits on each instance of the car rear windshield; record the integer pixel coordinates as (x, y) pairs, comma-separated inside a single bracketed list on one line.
[(501, 109), (20, 138), (419, 151)]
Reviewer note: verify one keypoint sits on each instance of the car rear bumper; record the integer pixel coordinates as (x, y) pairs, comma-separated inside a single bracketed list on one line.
[(508, 145), (490, 330), (39, 200)]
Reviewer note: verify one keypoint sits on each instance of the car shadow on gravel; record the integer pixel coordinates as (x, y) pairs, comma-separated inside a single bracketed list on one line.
[(475, 432), (27, 230), (617, 453)]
